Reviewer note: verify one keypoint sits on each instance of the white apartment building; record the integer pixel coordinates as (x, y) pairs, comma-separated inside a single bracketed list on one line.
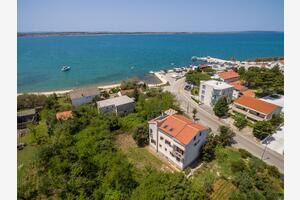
[(210, 91), (177, 138)]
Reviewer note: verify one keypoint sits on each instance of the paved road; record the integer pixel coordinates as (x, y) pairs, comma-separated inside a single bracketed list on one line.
[(187, 105)]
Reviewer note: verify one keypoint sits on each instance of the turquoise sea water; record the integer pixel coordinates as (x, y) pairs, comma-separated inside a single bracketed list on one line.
[(106, 59)]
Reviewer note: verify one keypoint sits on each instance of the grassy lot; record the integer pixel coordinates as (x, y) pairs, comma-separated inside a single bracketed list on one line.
[(140, 157), (25, 156), (222, 189)]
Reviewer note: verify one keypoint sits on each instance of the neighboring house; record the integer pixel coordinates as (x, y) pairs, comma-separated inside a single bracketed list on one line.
[(64, 115), (239, 88), (210, 91), (249, 93), (26, 116), (229, 76), (119, 105), (83, 95), (255, 109), (276, 99), (177, 138)]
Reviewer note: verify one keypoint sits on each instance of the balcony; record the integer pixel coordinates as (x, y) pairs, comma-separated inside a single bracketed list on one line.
[(247, 114)]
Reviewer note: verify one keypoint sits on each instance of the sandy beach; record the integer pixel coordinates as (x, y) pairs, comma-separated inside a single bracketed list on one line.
[(63, 92)]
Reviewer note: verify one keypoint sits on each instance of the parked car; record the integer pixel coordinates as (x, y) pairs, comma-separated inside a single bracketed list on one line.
[(188, 87)]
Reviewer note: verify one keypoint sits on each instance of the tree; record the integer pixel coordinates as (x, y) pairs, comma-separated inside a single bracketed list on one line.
[(194, 113), (27, 101), (221, 107), (141, 135), (226, 136), (277, 120), (239, 121), (195, 77), (207, 151), (262, 129)]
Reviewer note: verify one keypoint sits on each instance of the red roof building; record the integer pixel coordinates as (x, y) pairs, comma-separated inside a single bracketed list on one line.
[(229, 76), (64, 115), (177, 138), (255, 109)]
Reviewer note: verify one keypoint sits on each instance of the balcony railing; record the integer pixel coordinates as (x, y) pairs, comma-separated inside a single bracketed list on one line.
[(248, 114)]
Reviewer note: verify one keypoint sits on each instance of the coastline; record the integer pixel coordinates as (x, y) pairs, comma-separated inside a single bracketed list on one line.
[(100, 87), (64, 92)]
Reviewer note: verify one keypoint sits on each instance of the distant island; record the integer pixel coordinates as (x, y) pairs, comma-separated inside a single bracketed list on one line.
[(30, 34)]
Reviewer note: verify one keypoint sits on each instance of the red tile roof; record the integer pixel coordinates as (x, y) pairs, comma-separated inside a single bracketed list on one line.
[(249, 93), (256, 104), (228, 75), (238, 85), (181, 128), (64, 115)]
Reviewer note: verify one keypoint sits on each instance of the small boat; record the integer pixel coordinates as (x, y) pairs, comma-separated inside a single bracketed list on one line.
[(65, 68), (151, 72)]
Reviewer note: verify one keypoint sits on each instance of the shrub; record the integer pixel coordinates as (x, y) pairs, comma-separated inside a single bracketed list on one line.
[(244, 153), (238, 166), (262, 129), (240, 121), (141, 135)]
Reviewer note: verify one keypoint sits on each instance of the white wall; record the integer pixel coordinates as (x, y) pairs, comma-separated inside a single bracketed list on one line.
[(82, 100), (209, 92), (153, 132), (165, 149), (193, 151)]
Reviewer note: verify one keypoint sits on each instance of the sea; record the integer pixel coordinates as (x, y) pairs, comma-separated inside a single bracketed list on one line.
[(108, 59)]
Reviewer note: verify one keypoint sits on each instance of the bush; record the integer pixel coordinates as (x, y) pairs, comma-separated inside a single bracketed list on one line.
[(240, 121), (245, 154), (221, 107), (28, 101), (262, 129), (238, 166), (273, 171), (277, 120), (243, 181), (141, 135)]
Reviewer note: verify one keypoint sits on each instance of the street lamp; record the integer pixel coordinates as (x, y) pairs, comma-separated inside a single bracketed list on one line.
[(265, 140)]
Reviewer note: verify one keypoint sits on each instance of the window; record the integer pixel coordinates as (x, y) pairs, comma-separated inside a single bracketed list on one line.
[(165, 149), (153, 141), (202, 98), (203, 87), (195, 137), (203, 91), (161, 138), (151, 131), (178, 159), (160, 145), (167, 142)]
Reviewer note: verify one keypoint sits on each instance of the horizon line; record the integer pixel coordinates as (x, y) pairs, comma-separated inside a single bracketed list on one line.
[(150, 31)]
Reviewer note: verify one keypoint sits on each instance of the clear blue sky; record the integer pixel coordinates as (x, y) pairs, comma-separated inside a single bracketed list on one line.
[(150, 15)]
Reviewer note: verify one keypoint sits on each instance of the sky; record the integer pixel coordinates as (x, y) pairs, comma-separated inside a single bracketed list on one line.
[(150, 15)]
